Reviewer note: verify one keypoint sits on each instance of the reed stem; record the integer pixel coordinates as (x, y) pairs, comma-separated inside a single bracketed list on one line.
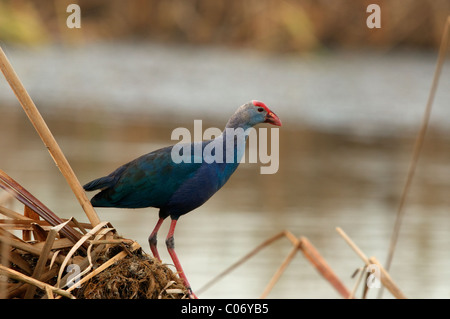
[(417, 148), (46, 136)]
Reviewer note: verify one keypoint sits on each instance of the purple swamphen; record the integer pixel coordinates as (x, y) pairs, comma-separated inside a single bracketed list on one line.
[(178, 187)]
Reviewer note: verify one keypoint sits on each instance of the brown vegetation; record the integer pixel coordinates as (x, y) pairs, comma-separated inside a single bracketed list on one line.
[(281, 26)]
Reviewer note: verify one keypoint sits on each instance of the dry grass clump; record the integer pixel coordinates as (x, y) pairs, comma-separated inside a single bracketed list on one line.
[(136, 276)]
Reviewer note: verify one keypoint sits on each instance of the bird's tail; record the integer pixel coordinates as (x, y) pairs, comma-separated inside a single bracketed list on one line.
[(99, 183)]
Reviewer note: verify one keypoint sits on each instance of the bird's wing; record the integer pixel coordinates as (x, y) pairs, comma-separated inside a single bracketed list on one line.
[(149, 180)]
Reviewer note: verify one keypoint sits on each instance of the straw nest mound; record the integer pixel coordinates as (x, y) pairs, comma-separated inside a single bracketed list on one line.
[(134, 276), (45, 256), (137, 276)]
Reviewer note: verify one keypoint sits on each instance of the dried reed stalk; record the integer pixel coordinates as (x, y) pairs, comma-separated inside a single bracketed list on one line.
[(39, 268), (385, 278), (240, 262), (9, 239), (17, 290), (14, 215), (308, 250), (418, 145), (4, 260), (28, 212), (312, 254), (361, 271), (314, 257), (26, 198), (75, 248), (42, 261), (280, 271), (42, 285), (47, 137)]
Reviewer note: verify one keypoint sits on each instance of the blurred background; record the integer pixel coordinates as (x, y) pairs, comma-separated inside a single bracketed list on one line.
[(351, 100)]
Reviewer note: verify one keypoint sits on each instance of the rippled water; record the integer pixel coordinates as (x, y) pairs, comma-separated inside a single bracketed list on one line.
[(333, 171)]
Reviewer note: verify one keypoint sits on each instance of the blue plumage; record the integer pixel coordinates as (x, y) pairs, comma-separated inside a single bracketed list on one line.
[(155, 180)]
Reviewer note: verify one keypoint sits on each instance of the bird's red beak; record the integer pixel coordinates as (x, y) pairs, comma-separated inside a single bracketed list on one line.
[(273, 119)]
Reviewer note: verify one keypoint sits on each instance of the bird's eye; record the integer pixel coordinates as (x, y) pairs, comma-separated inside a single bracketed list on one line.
[(260, 109)]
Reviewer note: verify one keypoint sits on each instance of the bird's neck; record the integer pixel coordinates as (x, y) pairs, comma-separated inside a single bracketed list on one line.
[(234, 140), (239, 120)]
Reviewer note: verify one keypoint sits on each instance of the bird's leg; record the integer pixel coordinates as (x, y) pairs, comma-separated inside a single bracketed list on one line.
[(152, 239), (171, 248)]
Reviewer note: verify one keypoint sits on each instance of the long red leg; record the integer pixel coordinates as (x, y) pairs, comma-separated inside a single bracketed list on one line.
[(171, 248), (152, 239)]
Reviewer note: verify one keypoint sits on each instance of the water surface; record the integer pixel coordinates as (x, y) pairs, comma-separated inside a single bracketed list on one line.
[(349, 127)]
